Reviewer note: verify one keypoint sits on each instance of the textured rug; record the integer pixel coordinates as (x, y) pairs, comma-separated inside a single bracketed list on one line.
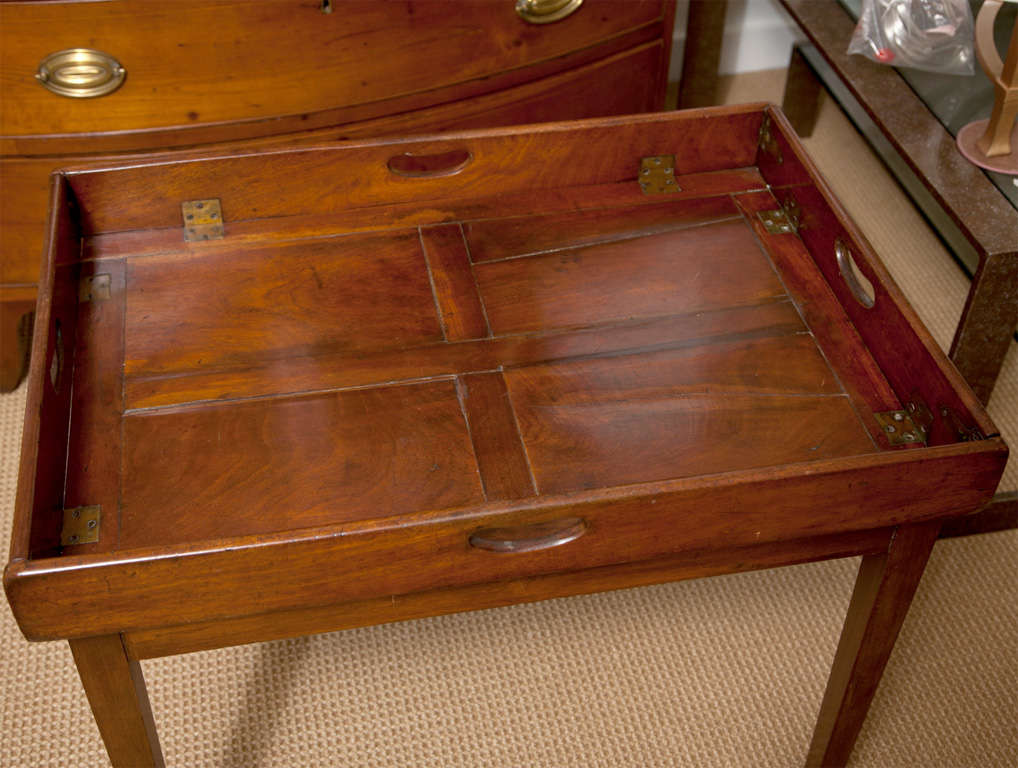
[(723, 672)]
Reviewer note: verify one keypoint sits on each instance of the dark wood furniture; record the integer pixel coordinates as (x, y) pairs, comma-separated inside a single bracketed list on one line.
[(237, 74), (298, 391)]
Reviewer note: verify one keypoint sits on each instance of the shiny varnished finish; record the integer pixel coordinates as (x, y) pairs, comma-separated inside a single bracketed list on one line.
[(381, 396), (283, 72)]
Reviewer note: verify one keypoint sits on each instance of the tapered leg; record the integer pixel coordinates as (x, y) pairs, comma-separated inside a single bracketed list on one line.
[(988, 322), (801, 102), (15, 339), (116, 691), (705, 29), (883, 592)]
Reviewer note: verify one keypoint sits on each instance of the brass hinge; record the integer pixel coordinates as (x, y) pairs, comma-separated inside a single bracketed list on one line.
[(81, 525), (203, 219), (766, 142), (657, 175), (95, 288), (911, 425), (965, 433), (782, 221)]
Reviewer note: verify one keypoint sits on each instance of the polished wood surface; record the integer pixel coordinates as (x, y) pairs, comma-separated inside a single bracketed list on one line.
[(497, 381), (284, 59), (292, 74)]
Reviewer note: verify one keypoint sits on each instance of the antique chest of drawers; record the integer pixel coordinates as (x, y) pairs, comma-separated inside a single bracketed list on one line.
[(96, 81), (295, 391)]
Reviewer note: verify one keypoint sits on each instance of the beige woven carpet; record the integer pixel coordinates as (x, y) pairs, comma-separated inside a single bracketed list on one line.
[(723, 672)]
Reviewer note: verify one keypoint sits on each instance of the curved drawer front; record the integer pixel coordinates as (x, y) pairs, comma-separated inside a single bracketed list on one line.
[(196, 64), (615, 85)]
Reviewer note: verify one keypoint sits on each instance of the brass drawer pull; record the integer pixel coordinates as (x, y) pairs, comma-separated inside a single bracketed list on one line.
[(80, 73), (441, 164), (546, 11), (528, 538)]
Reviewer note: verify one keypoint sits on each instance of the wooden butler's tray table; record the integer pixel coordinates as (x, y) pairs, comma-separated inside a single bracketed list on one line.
[(297, 391)]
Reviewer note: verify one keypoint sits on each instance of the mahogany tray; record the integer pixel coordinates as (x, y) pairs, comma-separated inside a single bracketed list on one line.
[(297, 391)]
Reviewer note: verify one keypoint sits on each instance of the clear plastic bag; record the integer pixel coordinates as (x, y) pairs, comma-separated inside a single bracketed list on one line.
[(933, 35)]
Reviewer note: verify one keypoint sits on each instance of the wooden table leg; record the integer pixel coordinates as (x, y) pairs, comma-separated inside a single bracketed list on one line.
[(883, 592), (15, 340), (116, 691), (705, 29), (801, 101), (988, 323)]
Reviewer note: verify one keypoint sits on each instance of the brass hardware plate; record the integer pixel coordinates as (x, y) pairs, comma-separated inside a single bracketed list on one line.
[(657, 175), (782, 221), (80, 73), (777, 222), (81, 525), (900, 427), (965, 433), (546, 11), (95, 288), (766, 141), (203, 219)]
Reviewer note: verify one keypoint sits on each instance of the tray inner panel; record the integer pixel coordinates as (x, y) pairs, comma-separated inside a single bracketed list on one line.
[(269, 386)]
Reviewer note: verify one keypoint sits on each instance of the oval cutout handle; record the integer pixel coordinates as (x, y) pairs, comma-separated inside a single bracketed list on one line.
[(528, 538), (860, 286), (439, 164)]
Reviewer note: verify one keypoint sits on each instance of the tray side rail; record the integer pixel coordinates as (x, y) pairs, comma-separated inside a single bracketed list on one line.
[(916, 367), (39, 504), (83, 595)]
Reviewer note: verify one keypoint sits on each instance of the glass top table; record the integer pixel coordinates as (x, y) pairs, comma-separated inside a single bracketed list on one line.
[(957, 100)]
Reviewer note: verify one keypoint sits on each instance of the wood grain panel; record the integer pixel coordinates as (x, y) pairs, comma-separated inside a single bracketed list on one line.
[(677, 413), (94, 444), (280, 464), (455, 290), (501, 457), (577, 447), (357, 293), (354, 175), (824, 314), (404, 215), (660, 274), (338, 370), (521, 236)]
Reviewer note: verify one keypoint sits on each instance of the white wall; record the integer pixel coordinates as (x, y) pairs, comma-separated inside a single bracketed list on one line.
[(758, 35)]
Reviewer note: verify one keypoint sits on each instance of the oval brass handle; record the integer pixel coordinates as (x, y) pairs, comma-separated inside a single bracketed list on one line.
[(80, 73), (527, 538), (440, 164), (546, 11)]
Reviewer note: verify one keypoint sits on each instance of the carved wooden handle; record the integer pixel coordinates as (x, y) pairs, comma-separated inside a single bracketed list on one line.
[(527, 538), (441, 164), (546, 11)]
